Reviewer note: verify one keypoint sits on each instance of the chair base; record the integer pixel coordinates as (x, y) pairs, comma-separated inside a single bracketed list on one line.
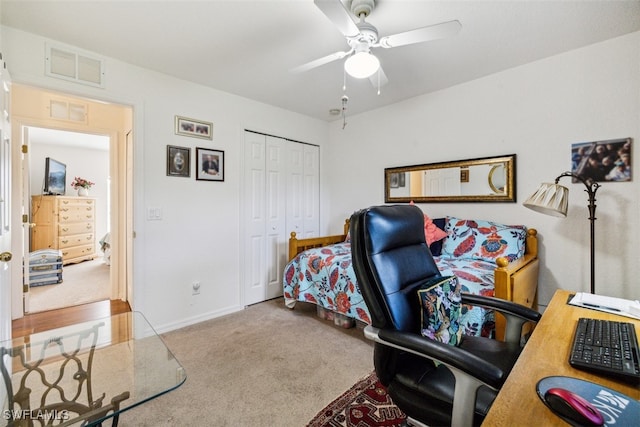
[(410, 422)]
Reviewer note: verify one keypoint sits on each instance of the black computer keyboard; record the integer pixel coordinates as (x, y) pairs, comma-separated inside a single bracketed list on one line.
[(606, 347)]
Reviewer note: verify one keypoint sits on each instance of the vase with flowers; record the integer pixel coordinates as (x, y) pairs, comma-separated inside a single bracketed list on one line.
[(82, 185)]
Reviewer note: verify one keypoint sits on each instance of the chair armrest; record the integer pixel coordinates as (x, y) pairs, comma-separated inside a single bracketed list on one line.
[(449, 355), (501, 305), (470, 371), (516, 315)]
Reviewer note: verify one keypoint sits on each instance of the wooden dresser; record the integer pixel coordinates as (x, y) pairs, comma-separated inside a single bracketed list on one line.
[(66, 223)]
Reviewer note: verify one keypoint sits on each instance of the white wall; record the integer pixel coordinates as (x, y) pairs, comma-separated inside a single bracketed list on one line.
[(199, 236), (536, 111), (86, 163)]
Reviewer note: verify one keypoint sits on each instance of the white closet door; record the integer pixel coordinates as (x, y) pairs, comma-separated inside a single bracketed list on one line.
[(281, 195), (276, 198), (255, 221), (311, 191), (295, 188)]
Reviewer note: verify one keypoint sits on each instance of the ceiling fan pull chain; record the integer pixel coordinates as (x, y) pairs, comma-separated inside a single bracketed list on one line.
[(345, 99), (344, 79), (378, 81)]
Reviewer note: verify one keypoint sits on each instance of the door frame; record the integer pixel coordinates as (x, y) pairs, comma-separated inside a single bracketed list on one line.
[(122, 213), (6, 180)]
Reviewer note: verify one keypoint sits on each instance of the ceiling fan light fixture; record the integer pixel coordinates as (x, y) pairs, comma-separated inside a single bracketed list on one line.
[(361, 65)]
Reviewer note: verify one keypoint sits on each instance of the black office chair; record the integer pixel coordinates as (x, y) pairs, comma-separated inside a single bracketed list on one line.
[(431, 382)]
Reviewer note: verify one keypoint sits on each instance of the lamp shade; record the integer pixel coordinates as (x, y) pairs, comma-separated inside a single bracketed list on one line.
[(361, 65), (549, 199)]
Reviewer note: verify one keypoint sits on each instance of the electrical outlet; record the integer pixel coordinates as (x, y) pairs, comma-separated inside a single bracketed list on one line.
[(195, 288)]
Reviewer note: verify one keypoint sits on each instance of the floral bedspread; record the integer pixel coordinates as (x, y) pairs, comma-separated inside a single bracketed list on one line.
[(325, 277)]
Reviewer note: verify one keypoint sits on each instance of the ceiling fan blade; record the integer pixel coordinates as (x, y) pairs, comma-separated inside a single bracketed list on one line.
[(339, 15), (424, 34), (318, 62), (378, 77)]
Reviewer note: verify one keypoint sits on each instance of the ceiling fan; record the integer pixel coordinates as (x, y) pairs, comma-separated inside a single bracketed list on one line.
[(362, 37)]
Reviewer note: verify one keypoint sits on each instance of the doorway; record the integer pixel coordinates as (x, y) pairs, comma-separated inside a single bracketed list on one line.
[(85, 156), (111, 124)]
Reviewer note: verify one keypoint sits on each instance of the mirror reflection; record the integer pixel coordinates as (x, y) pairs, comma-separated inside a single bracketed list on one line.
[(490, 179), (498, 178)]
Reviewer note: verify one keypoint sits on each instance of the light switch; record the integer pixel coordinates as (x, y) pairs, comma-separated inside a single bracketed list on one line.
[(154, 214)]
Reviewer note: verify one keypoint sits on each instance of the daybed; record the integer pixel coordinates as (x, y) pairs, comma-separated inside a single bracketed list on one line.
[(489, 259)]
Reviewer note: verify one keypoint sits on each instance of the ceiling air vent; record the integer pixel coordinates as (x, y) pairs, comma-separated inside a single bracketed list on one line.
[(75, 66)]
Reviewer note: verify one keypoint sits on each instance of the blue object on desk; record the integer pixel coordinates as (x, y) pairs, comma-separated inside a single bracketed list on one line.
[(616, 408)]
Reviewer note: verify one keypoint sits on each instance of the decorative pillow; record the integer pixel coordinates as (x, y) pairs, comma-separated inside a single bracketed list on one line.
[(431, 231), (436, 247), (441, 310), (483, 240)]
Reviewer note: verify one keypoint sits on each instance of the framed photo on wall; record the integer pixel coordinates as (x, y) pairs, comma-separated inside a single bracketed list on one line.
[(602, 161), (464, 174), (394, 180), (195, 128), (210, 164), (178, 161)]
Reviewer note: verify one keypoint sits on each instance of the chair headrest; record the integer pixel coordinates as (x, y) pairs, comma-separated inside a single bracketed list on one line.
[(390, 227), (391, 260)]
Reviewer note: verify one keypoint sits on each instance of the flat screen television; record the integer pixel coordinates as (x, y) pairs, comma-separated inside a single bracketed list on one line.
[(55, 177)]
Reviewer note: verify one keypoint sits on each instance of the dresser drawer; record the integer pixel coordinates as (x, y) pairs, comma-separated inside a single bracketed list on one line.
[(66, 223), (78, 251), (75, 240), (75, 201), (76, 213), (75, 228)]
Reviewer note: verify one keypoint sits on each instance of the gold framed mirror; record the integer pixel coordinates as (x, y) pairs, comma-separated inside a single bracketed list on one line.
[(487, 179)]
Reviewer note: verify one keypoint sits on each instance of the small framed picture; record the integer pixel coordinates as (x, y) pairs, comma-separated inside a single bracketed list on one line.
[(210, 164), (178, 162), (464, 175), (394, 180), (602, 161), (195, 128)]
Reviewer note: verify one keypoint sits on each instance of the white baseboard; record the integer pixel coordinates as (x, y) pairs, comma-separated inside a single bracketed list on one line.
[(168, 327)]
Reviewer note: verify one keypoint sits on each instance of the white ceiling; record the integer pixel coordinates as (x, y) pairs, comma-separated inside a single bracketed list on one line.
[(247, 47), (69, 139)]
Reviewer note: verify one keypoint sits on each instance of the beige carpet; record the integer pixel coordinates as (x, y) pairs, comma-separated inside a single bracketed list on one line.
[(264, 366), (84, 282)]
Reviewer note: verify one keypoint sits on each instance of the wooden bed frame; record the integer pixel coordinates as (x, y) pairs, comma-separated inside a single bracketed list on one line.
[(300, 245), (516, 281)]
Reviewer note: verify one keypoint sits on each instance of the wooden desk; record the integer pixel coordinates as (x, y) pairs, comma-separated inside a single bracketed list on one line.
[(547, 354)]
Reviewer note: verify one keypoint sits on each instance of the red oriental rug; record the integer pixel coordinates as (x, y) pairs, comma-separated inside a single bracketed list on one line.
[(365, 404)]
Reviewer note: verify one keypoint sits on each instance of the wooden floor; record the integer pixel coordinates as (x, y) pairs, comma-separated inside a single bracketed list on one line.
[(38, 322)]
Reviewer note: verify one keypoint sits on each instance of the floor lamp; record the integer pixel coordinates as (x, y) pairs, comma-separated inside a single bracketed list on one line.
[(553, 199)]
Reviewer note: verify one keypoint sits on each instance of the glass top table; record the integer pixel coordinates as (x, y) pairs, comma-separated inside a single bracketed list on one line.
[(85, 373)]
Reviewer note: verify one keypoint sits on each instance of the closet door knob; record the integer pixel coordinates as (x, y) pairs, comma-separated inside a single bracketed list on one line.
[(5, 256)]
